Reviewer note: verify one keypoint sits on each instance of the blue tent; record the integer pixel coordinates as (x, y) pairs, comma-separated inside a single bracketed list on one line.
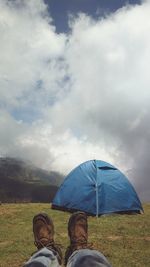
[(97, 188)]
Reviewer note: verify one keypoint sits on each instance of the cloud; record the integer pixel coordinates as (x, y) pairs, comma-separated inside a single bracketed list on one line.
[(67, 98), (29, 49)]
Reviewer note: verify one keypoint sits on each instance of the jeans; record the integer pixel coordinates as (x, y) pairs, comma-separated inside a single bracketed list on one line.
[(81, 257)]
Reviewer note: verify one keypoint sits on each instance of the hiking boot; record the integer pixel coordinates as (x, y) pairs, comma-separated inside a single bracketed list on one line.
[(77, 232), (43, 230)]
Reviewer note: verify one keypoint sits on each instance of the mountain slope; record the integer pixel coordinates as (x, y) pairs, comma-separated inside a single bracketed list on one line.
[(23, 182)]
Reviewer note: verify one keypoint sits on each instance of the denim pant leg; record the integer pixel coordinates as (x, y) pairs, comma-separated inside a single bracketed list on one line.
[(43, 258), (87, 258)]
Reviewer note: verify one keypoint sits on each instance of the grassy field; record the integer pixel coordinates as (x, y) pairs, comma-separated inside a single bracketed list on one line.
[(123, 239)]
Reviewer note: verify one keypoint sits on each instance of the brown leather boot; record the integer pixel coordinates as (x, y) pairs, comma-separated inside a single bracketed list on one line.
[(77, 232), (43, 230)]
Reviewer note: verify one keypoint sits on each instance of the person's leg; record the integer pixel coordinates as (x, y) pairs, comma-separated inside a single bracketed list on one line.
[(43, 258), (48, 254), (87, 258), (79, 253)]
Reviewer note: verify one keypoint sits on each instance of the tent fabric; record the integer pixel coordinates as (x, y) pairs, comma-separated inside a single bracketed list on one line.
[(97, 188)]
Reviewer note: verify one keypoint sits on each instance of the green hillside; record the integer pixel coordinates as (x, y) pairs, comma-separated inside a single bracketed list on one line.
[(22, 182), (124, 239)]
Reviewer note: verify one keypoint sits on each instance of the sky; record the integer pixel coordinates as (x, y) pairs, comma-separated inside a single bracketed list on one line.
[(74, 84), (60, 10)]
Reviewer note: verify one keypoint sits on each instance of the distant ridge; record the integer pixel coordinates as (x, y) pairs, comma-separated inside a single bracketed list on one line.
[(21, 181)]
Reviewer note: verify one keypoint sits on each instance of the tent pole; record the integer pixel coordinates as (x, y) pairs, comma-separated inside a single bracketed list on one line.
[(97, 204), (96, 199), (96, 189)]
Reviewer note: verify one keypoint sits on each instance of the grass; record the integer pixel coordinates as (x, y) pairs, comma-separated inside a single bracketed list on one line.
[(123, 239)]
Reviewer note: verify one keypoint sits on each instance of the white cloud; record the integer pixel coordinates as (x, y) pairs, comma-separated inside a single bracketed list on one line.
[(29, 48), (89, 89)]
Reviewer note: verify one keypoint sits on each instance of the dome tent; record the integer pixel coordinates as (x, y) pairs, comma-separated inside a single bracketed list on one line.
[(96, 187)]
